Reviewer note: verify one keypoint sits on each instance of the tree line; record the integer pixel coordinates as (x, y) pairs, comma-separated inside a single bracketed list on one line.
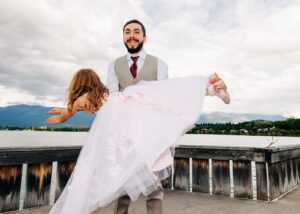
[(289, 127)]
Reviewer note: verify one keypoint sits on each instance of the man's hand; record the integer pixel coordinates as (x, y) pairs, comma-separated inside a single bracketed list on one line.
[(63, 116)]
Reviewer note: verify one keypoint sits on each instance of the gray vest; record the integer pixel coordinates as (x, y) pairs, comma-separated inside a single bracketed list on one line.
[(148, 71)]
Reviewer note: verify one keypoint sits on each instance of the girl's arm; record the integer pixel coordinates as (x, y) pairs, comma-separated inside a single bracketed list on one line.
[(81, 104), (63, 116)]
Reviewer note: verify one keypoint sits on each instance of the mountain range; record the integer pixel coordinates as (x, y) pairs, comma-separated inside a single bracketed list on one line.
[(221, 117), (28, 116)]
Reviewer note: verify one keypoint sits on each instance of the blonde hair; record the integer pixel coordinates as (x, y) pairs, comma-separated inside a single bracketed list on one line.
[(87, 81)]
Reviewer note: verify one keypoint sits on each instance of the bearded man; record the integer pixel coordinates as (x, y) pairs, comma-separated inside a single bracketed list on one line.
[(128, 70)]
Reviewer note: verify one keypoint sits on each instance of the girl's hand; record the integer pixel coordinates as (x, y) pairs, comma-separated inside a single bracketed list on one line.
[(63, 116), (83, 104), (55, 111), (56, 119)]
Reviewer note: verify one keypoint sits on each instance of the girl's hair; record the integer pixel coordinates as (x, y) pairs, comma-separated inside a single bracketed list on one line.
[(87, 81)]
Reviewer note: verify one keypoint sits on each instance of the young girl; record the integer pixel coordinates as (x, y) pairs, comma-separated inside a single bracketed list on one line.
[(131, 129)]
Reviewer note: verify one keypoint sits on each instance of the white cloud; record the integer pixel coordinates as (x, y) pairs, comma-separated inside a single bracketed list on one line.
[(254, 45)]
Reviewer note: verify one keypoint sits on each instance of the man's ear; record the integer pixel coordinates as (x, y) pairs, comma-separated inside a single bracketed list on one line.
[(144, 39)]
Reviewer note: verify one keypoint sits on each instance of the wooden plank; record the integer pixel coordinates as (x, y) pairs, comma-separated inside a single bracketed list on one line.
[(200, 175), (242, 179), (298, 167), (38, 184), (276, 180), (10, 156), (220, 177), (270, 155), (283, 177), (10, 187), (261, 181), (181, 174), (286, 175), (38, 155), (295, 171), (64, 171), (221, 154), (291, 174), (284, 154)]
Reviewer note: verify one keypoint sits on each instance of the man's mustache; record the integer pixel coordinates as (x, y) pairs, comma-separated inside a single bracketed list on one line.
[(129, 40)]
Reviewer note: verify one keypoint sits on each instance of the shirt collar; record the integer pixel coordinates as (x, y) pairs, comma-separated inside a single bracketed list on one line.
[(142, 54)]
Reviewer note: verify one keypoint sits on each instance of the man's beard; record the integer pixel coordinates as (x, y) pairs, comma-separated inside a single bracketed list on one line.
[(134, 50)]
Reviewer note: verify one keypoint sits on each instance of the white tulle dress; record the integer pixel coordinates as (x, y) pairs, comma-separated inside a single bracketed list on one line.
[(132, 129)]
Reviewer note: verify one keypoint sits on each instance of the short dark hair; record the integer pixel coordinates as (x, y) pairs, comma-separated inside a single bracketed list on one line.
[(137, 22)]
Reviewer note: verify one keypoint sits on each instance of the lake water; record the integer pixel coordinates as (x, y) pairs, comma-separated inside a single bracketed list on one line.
[(24, 139), (40, 139)]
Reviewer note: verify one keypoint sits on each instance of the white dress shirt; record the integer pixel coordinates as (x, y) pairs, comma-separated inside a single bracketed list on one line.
[(112, 80), (165, 159)]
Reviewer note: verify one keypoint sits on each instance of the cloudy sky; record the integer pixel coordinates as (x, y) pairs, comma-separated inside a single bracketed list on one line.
[(253, 44)]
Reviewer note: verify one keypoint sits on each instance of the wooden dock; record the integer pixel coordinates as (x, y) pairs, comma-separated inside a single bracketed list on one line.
[(202, 178), (181, 202)]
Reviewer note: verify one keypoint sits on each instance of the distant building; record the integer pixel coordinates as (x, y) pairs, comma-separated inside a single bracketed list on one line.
[(233, 131), (244, 131), (43, 127)]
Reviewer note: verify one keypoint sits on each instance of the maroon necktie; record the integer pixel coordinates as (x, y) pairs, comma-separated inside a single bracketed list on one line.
[(133, 67)]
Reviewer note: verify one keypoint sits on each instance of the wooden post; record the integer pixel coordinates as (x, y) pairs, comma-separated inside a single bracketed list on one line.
[(38, 184), (286, 174), (200, 175), (10, 183), (181, 174), (276, 179), (64, 171), (261, 181), (290, 167), (295, 171), (298, 168), (220, 177), (292, 177), (242, 179)]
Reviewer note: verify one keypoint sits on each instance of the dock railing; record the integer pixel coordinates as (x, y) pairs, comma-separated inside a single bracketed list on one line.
[(269, 173), (249, 173)]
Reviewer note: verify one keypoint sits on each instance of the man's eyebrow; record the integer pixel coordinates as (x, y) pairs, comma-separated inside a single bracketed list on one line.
[(135, 29)]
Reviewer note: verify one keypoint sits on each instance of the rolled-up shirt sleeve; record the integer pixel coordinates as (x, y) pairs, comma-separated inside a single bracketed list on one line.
[(162, 70), (112, 80)]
